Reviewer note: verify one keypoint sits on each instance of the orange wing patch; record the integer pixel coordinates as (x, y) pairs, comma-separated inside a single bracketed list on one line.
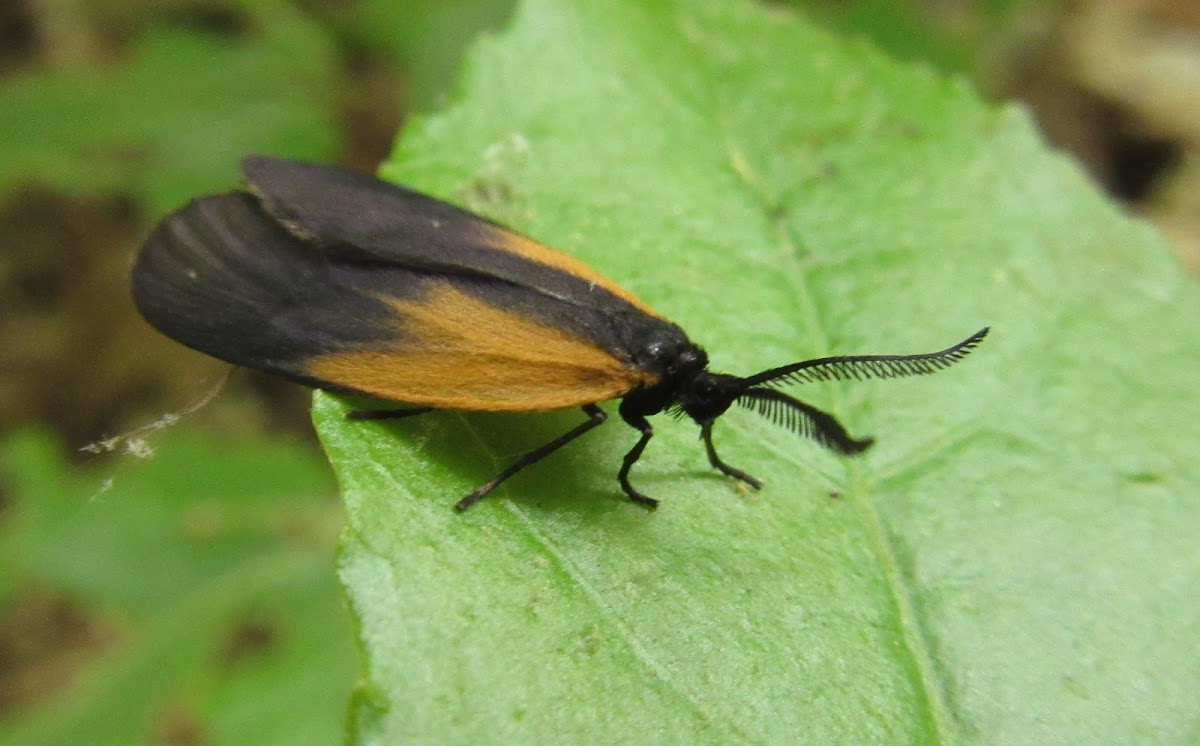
[(514, 243), (473, 356)]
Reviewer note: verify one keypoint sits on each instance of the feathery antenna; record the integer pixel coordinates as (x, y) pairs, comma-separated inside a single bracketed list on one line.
[(803, 419), (858, 367)]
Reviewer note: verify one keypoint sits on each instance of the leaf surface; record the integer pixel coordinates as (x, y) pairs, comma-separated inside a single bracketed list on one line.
[(1014, 561)]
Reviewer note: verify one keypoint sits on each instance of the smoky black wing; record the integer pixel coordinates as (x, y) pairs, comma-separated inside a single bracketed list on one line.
[(221, 277), (360, 218), (224, 277)]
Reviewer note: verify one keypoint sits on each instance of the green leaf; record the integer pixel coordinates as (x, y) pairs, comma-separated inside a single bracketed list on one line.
[(192, 596), (1015, 560)]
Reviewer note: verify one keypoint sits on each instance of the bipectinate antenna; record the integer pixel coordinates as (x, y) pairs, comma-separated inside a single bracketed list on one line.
[(803, 419), (808, 421), (858, 367)]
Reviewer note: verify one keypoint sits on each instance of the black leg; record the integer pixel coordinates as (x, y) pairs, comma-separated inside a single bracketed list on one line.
[(721, 466), (596, 417), (385, 414), (639, 423)]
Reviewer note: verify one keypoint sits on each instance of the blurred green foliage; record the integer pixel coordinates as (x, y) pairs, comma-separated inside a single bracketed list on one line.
[(172, 120), (188, 592), (949, 36), (185, 100)]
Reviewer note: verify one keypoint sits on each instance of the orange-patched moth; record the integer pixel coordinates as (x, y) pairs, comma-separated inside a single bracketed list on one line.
[(341, 281)]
